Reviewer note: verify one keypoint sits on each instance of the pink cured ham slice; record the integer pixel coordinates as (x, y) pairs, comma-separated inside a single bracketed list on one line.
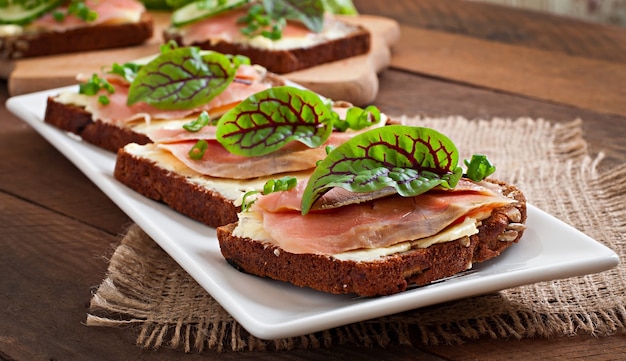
[(218, 162), (118, 112), (109, 11), (380, 223)]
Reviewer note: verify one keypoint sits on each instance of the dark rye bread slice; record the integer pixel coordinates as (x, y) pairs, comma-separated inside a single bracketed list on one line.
[(355, 43), (77, 120), (154, 181), (389, 274), (85, 38)]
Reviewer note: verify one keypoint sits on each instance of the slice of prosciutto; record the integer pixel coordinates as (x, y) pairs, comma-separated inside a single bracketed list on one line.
[(109, 12), (218, 162), (118, 112), (379, 223)]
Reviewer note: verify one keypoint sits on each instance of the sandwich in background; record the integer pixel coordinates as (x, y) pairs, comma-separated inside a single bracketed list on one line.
[(386, 210), (282, 35), (38, 28)]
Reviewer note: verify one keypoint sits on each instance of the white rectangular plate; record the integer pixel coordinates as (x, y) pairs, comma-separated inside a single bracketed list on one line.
[(549, 249)]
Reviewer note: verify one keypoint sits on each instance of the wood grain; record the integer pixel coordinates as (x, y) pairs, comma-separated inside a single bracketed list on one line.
[(585, 83), (412, 94), (497, 23), (577, 348), (353, 79)]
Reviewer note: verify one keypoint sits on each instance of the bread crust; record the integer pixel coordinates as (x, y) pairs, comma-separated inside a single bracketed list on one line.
[(390, 274), (287, 61), (77, 120), (85, 38), (147, 178)]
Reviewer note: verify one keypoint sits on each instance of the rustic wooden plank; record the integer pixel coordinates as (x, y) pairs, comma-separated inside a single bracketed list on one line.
[(353, 79), (26, 172), (498, 23), (554, 77), (404, 94), (573, 348), (50, 264)]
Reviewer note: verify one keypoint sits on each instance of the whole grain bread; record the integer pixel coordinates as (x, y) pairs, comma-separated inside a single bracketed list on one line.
[(102, 36), (151, 179), (389, 274), (77, 120), (356, 42)]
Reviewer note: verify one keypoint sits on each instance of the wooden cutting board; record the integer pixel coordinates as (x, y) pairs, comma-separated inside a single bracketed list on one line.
[(353, 79)]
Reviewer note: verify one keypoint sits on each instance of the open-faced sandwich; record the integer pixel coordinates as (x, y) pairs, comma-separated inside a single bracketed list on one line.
[(387, 209), (282, 35), (127, 102), (204, 168), (31, 28)]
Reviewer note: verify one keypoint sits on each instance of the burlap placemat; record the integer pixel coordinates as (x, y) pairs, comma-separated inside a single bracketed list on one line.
[(145, 288)]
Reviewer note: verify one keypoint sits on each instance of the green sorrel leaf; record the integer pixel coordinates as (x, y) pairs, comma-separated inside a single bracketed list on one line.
[(412, 160), (479, 167), (309, 12), (182, 78), (357, 118), (266, 121), (343, 7)]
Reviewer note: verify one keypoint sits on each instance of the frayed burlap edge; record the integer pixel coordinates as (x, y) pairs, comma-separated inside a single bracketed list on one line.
[(592, 304)]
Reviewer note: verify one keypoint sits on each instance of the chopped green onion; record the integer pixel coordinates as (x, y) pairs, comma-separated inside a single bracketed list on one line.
[(245, 203), (277, 185), (198, 150), (94, 85), (58, 16), (127, 71), (479, 167), (273, 185), (202, 121), (103, 99)]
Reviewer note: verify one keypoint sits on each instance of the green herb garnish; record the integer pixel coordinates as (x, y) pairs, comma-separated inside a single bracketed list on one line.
[(357, 118), (78, 9), (182, 78), (343, 7), (58, 16), (81, 11), (277, 185), (202, 121), (258, 22), (273, 185), (128, 71), (94, 85), (308, 12), (103, 99), (22, 12), (479, 167), (412, 160), (197, 151)]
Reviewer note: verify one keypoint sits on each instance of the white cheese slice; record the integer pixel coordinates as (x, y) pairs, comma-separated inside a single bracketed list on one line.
[(231, 189)]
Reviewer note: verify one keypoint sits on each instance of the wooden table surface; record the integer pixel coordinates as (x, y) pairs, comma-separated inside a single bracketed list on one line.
[(454, 58)]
